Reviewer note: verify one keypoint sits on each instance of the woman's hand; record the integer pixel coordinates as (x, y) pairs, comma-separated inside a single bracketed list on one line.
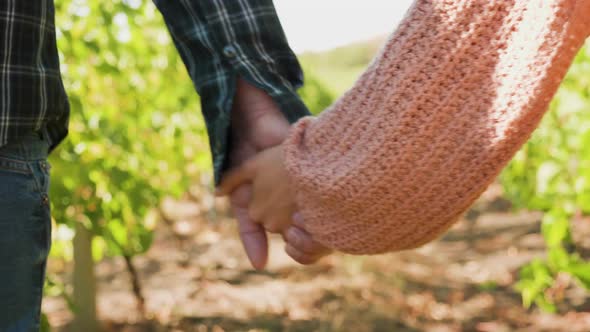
[(299, 244), (273, 203)]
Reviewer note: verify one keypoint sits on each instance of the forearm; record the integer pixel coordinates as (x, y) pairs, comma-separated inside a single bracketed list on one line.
[(454, 94), (221, 41)]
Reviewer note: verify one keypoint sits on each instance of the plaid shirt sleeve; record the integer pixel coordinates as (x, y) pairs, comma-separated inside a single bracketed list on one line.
[(221, 40)]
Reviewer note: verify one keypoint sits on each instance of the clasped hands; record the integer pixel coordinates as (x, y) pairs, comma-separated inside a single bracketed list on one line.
[(257, 182)]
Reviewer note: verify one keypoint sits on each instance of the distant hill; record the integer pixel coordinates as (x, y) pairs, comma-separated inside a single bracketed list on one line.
[(338, 68)]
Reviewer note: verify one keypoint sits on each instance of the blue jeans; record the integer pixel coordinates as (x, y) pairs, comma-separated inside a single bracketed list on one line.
[(25, 232)]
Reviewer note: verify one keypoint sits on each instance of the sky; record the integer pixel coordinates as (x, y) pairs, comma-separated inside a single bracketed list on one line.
[(316, 25)]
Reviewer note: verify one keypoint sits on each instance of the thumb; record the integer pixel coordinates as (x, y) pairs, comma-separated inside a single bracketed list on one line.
[(236, 177), (253, 235)]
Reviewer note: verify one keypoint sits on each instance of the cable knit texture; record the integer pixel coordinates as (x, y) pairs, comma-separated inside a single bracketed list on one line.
[(453, 95)]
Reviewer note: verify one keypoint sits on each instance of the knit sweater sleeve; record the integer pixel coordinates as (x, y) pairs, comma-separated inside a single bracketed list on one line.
[(455, 92)]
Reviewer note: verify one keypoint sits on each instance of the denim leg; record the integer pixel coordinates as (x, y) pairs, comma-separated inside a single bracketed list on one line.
[(25, 235)]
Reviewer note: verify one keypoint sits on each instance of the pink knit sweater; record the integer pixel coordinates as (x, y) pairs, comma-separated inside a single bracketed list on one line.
[(455, 92)]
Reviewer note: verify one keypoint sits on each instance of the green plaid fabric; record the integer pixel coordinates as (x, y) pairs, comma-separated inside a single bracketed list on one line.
[(221, 40), (32, 96)]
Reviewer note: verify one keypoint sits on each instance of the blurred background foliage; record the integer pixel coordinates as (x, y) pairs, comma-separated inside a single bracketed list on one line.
[(137, 135), (552, 174), (131, 122)]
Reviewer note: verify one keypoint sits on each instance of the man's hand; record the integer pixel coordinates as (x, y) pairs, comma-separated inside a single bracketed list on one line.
[(257, 124), (273, 203)]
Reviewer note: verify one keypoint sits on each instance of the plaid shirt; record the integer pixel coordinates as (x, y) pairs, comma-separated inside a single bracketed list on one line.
[(218, 40)]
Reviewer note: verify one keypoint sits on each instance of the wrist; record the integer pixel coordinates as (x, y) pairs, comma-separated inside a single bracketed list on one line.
[(256, 118)]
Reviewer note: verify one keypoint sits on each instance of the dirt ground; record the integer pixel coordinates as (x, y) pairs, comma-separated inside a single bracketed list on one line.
[(196, 278)]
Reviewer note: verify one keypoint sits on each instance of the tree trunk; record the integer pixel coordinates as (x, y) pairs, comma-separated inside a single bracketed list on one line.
[(84, 282)]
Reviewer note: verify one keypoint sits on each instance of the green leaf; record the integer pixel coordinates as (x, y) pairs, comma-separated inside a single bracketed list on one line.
[(556, 227), (581, 270), (535, 278), (559, 259)]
